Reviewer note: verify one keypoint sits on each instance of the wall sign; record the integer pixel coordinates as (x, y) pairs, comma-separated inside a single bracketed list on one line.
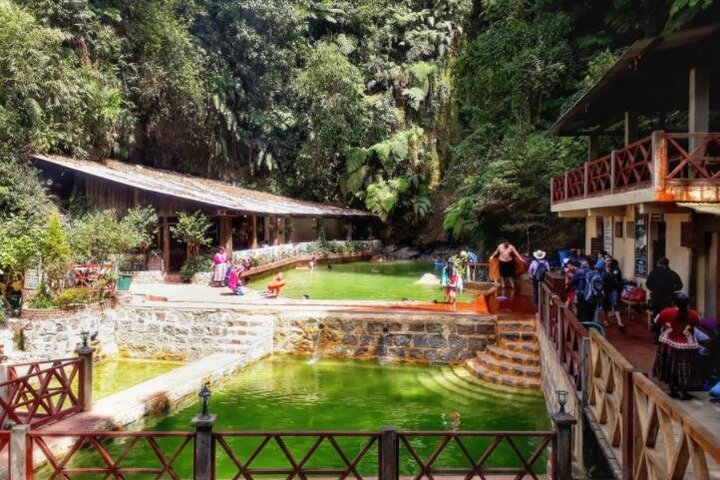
[(641, 248)]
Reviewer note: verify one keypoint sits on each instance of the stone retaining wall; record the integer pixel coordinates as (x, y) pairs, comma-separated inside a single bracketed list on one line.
[(189, 333), (435, 338)]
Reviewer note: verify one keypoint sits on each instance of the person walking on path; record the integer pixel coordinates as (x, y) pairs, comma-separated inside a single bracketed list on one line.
[(507, 256), (538, 268), (662, 283), (677, 352), (612, 282), (588, 290), (220, 260)]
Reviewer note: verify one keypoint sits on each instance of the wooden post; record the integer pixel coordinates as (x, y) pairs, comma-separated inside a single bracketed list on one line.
[(349, 227), (21, 462), (593, 147), (565, 196), (389, 467), (253, 235), (613, 167), (659, 166), (204, 453), (562, 453), (699, 108), (628, 425), (86, 377), (586, 179), (584, 371), (631, 127), (226, 233), (166, 245)]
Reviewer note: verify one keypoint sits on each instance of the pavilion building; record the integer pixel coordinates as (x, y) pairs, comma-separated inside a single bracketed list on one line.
[(651, 185), (242, 218)]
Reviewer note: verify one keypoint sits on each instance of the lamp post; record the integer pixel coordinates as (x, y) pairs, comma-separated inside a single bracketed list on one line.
[(563, 444), (203, 423), (85, 352)]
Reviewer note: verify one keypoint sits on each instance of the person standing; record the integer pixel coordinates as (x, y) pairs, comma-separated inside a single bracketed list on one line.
[(612, 282), (220, 260), (677, 352), (507, 255), (662, 283), (538, 268), (587, 281)]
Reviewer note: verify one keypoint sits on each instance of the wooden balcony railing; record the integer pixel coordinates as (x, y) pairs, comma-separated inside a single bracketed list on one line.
[(659, 160)]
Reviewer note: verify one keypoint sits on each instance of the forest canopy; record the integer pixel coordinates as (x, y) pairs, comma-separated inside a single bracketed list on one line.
[(431, 114)]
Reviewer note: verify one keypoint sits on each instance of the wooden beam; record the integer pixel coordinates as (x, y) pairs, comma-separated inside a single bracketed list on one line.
[(226, 233), (606, 212)]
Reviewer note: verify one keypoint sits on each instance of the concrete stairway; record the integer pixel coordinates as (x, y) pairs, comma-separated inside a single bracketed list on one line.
[(515, 359), (245, 336)]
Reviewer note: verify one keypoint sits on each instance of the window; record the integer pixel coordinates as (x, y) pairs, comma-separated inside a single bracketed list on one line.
[(618, 229), (630, 230)]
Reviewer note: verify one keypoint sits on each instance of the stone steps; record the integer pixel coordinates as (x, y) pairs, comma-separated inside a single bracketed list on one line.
[(501, 365), (531, 348), (516, 336), (460, 377), (516, 326), (502, 378), (513, 356)]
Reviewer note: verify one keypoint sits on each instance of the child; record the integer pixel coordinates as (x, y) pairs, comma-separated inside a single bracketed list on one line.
[(313, 262), (275, 286)]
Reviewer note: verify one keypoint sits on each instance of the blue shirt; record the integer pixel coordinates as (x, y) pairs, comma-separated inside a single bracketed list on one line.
[(600, 264)]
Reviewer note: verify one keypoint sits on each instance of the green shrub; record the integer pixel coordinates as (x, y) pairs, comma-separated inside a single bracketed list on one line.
[(42, 298), (193, 265), (3, 316), (75, 296)]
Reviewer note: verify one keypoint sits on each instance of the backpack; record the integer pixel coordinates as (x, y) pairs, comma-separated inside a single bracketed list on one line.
[(540, 271), (593, 287)]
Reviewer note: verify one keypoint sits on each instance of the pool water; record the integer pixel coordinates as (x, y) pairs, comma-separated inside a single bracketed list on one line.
[(116, 374), (385, 281), (292, 393)]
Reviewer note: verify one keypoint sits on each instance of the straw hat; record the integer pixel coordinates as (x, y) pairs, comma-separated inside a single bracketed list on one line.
[(539, 254)]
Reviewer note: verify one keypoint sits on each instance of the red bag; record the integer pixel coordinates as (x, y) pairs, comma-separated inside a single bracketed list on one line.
[(633, 293)]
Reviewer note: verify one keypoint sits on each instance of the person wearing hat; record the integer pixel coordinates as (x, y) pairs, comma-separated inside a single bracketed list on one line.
[(538, 268)]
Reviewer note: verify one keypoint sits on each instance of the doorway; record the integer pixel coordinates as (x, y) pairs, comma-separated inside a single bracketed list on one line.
[(658, 238)]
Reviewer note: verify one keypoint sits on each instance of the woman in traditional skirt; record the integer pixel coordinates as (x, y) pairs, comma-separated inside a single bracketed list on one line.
[(677, 351), (221, 265)]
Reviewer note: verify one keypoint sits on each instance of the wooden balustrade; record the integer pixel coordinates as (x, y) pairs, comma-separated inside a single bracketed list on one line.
[(669, 443), (610, 394), (684, 159), (38, 393), (565, 332)]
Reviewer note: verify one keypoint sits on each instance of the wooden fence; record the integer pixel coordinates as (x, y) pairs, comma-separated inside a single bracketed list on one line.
[(38, 393), (643, 433), (248, 455)]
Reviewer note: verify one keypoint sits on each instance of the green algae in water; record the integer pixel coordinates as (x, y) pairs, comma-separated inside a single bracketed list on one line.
[(117, 374), (383, 281), (290, 393)]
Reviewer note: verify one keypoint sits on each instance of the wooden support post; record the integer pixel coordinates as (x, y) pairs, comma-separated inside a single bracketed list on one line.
[(699, 108), (631, 127), (226, 233), (204, 452), (349, 230), (659, 160), (86, 377), (21, 458), (613, 167), (628, 424), (586, 180), (593, 147), (563, 451), (565, 196), (389, 467), (584, 371), (166, 245), (253, 235)]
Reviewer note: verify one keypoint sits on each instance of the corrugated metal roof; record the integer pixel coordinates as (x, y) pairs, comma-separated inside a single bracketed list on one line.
[(577, 116), (198, 189)]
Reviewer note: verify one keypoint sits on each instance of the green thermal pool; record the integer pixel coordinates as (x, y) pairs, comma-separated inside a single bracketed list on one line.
[(290, 393), (116, 374), (385, 281)]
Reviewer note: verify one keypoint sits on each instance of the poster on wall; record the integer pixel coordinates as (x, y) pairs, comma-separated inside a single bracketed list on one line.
[(608, 234), (641, 247)]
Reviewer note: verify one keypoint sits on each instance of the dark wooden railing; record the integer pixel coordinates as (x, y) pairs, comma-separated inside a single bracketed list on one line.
[(387, 454), (38, 393), (661, 159)]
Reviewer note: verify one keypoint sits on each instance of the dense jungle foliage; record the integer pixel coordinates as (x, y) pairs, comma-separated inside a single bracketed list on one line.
[(432, 114)]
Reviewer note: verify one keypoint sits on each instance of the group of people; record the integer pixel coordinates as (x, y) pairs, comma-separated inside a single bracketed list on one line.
[(228, 272), (594, 286)]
